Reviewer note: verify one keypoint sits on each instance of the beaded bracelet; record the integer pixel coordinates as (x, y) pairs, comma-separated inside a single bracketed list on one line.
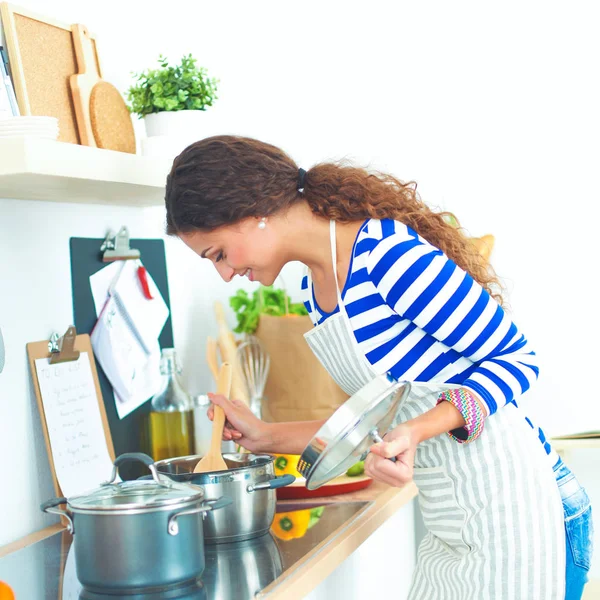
[(471, 411)]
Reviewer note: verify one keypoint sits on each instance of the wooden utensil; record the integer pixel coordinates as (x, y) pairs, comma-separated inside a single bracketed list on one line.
[(212, 357), (228, 347), (103, 119), (213, 461)]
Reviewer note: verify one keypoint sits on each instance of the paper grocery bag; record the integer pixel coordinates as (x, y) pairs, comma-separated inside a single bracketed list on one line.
[(298, 386)]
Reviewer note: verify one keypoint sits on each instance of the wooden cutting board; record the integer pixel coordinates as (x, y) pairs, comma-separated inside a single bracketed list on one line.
[(103, 120)]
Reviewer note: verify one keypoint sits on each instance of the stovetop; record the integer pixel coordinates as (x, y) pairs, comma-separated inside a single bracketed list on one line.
[(235, 571)]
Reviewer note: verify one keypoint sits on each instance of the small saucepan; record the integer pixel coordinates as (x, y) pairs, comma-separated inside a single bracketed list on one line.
[(137, 535), (250, 482)]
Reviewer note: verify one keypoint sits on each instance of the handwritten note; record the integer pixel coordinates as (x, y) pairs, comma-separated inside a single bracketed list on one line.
[(77, 439)]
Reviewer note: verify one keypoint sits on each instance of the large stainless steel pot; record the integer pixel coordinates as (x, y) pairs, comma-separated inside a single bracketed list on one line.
[(137, 535), (250, 482)]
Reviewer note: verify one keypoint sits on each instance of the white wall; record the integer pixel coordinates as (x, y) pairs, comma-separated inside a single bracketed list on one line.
[(494, 110)]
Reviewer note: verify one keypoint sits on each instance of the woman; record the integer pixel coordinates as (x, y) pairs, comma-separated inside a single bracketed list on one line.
[(393, 288)]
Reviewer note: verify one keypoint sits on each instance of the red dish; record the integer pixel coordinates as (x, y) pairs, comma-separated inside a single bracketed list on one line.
[(340, 485)]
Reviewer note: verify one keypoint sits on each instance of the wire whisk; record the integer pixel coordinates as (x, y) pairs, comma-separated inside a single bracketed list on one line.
[(253, 363)]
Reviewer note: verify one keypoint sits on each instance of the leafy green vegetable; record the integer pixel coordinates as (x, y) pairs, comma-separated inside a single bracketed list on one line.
[(171, 88), (265, 300)]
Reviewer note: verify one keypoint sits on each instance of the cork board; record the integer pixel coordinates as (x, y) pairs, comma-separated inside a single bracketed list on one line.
[(42, 58)]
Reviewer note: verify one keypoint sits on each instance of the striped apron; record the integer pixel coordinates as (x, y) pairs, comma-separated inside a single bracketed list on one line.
[(492, 509)]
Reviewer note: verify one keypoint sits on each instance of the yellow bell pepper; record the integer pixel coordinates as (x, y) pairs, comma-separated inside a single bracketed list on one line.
[(287, 526), (286, 464), (295, 524)]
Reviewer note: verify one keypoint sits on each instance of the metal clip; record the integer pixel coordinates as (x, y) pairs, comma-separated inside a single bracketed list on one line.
[(116, 247), (62, 349)]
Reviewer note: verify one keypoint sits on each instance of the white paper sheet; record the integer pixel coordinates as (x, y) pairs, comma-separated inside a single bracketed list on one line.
[(132, 368), (100, 283), (147, 317), (77, 438), (148, 382)]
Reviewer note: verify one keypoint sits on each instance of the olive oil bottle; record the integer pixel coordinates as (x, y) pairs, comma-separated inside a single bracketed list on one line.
[(171, 419)]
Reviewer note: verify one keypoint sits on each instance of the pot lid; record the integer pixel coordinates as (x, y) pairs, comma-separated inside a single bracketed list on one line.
[(141, 495), (347, 435)]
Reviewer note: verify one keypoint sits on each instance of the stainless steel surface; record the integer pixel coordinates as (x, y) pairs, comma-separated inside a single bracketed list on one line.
[(254, 362), (249, 482), (346, 436), (122, 528), (137, 552), (260, 561), (47, 569), (158, 493)]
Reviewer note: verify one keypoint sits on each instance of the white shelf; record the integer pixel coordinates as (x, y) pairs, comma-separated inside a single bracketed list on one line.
[(37, 169), (561, 445)]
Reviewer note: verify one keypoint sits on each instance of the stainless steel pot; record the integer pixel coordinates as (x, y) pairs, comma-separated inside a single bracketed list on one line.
[(250, 482), (137, 535)]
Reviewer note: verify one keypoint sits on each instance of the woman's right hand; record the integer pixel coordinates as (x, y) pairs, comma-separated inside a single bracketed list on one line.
[(241, 425)]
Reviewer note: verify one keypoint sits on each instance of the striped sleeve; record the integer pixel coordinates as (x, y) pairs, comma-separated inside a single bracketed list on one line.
[(305, 291), (422, 285)]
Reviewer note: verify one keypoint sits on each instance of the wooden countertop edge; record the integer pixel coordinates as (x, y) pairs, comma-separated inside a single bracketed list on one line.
[(32, 538), (306, 574)]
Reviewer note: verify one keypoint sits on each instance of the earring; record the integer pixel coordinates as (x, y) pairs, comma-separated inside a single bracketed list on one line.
[(262, 223)]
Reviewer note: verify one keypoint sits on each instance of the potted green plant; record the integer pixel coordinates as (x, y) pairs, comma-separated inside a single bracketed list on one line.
[(171, 99)]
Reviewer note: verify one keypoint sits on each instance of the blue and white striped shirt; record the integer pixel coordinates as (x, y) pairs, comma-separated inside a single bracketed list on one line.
[(418, 316)]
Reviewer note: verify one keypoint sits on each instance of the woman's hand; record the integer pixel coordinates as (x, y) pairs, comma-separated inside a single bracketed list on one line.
[(241, 425), (401, 442)]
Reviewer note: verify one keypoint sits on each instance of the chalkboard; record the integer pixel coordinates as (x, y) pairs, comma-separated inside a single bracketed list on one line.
[(129, 434)]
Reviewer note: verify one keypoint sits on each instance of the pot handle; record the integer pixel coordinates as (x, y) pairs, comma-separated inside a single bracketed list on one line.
[(173, 526), (50, 507), (217, 503), (140, 457), (272, 484)]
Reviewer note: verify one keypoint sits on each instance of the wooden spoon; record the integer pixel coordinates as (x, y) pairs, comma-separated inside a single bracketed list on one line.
[(213, 461), (212, 357), (228, 348)]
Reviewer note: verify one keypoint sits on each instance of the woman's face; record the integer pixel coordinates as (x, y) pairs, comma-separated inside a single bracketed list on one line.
[(242, 249)]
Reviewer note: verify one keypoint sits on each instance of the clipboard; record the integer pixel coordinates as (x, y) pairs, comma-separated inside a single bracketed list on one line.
[(129, 434), (64, 350)]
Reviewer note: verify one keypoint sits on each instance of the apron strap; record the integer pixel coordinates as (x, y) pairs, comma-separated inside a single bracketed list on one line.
[(334, 257)]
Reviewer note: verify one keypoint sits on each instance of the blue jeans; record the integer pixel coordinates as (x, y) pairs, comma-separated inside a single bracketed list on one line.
[(579, 530)]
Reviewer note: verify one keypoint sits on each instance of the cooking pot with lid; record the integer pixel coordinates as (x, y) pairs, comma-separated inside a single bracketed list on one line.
[(137, 535)]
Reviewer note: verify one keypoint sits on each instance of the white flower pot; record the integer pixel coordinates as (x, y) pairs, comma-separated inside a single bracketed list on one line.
[(178, 123)]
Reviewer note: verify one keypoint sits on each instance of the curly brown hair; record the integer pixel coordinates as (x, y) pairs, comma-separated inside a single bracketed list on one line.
[(222, 180)]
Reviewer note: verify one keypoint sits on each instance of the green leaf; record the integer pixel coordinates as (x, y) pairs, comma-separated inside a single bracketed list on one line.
[(265, 300)]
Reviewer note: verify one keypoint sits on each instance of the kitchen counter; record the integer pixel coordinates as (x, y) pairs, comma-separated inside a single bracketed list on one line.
[(41, 566)]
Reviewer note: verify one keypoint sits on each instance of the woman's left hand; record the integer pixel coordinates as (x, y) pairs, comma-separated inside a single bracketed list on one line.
[(401, 443)]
